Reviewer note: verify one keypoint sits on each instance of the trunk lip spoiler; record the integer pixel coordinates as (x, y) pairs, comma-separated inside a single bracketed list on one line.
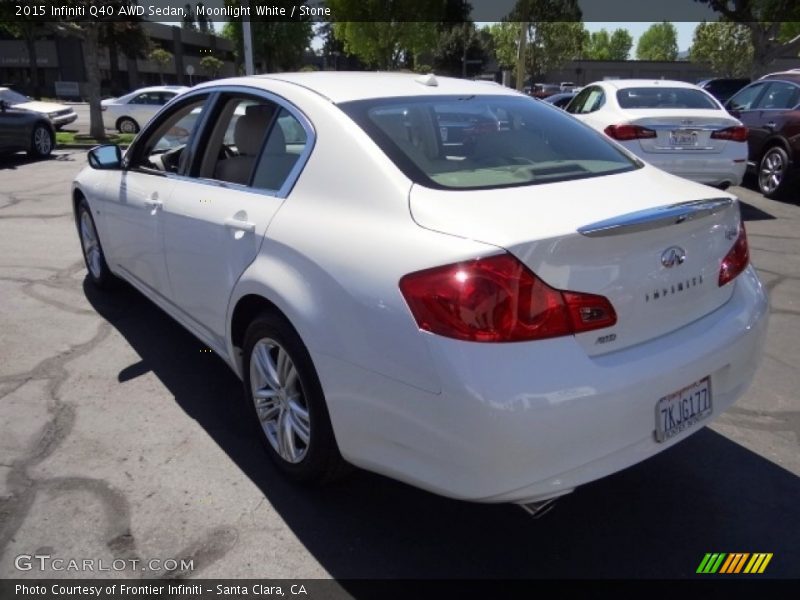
[(657, 217)]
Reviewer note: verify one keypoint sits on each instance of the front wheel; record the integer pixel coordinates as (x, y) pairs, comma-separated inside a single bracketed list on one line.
[(42, 141), (772, 172), (99, 273), (286, 402)]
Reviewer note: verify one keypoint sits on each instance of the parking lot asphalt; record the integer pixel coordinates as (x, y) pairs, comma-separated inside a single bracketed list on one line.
[(120, 438)]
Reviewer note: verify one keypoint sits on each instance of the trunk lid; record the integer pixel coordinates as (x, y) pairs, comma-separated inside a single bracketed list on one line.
[(540, 225), (682, 131)]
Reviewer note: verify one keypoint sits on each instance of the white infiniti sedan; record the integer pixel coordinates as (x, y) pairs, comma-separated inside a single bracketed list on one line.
[(497, 321), (676, 126), (129, 113)]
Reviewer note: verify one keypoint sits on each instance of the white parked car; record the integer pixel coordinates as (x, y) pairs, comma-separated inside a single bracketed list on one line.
[(498, 321), (131, 112), (673, 125), (58, 114)]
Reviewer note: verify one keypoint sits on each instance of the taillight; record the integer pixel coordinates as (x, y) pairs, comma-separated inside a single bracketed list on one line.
[(624, 133), (736, 259), (497, 299), (737, 133)]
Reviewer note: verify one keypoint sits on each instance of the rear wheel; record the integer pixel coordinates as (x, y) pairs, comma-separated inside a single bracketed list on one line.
[(127, 125), (772, 172), (42, 141), (286, 402), (93, 255)]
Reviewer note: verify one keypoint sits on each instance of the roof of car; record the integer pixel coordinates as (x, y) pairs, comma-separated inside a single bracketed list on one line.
[(621, 84), (793, 75), (344, 86)]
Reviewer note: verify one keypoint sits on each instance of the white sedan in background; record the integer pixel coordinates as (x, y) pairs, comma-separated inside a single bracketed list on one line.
[(131, 112), (673, 125), (501, 320)]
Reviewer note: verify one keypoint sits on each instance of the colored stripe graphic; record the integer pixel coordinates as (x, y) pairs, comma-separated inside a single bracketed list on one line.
[(733, 563)]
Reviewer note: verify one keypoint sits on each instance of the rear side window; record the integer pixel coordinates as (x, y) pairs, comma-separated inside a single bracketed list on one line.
[(745, 99), (658, 97), (485, 142), (779, 95)]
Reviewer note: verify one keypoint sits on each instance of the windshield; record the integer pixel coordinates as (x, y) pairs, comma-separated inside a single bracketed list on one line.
[(666, 98), (484, 142), (11, 97)]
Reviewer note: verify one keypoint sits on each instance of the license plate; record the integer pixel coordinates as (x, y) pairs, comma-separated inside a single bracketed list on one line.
[(680, 410), (683, 138)]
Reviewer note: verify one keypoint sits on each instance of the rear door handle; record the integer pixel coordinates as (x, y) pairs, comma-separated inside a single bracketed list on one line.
[(154, 205), (771, 124), (240, 225)]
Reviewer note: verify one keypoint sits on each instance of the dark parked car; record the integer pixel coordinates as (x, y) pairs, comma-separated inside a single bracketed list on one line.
[(722, 88), (25, 130), (560, 100), (543, 90), (770, 108)]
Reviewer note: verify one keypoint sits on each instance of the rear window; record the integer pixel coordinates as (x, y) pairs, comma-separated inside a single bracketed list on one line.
[(484, 142), (658, 97)]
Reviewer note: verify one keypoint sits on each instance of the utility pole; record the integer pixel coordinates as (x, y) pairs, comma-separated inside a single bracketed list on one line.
[(247, 39)]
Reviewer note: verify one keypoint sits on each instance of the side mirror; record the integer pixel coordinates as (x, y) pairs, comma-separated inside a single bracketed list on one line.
[(108, 157)]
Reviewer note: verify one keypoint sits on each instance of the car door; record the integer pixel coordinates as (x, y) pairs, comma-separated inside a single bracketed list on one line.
[(249, 155), (144, 107), (743, 107), (135, 197), (586, 104), (770, 112)]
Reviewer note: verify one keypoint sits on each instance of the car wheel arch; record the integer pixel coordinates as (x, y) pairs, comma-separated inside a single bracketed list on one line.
[(772, 143)]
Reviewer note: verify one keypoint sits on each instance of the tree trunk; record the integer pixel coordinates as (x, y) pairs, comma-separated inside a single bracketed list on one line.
[(91, 48), (30, 42), (113, 59)]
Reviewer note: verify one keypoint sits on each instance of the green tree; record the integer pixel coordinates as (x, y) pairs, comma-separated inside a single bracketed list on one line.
[(659, 42), (620, 44), (277, 46), (212, 66), (598, 46), (384, 35), (203, 22), (456, 44), (772, 25), (726, 47), (162, 58), (550, 45), (188, 18)]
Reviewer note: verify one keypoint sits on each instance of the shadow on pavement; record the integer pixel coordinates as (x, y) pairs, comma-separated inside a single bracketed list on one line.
[(751, 213), (656, 519), (19, 159)]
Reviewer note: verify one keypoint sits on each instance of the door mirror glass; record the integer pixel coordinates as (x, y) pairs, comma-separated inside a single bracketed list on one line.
[(105, 157)]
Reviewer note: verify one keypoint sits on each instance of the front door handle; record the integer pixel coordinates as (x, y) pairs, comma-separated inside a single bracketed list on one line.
[(771, 124), (240, 225), (154, 205)]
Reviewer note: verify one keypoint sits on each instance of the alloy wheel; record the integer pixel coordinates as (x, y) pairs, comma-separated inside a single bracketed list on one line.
[(770, 175), (42, 141), (279, 400), (91, 247)]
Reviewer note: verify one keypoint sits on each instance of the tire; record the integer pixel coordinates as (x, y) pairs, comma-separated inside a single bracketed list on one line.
[(290, 416), (42, 141), (93, 255), (127, 125), (773, 172)]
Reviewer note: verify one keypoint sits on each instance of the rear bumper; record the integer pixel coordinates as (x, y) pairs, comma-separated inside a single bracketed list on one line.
[(711, 171), (528, 421)]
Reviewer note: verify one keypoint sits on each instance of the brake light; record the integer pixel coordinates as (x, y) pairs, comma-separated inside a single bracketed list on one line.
[(737, 133), (624, 133), (498, 299), (736, 259)]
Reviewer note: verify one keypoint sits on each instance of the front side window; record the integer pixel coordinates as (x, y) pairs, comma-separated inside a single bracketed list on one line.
[(153, 98), (665, 97), (163, 146), (485, 142)]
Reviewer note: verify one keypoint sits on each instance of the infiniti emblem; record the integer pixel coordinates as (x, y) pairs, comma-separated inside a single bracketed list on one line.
[(674, 255)]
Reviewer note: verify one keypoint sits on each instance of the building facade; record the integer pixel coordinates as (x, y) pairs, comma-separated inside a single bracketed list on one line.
[(62, 59)]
